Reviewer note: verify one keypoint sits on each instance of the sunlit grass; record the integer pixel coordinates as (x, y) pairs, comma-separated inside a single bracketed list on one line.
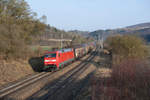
[(44, 48)]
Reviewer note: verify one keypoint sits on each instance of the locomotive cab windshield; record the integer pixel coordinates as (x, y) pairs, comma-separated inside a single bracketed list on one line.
[(50, 55)]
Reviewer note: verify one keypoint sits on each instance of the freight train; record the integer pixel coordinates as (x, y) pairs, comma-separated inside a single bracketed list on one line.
[(54, 60)]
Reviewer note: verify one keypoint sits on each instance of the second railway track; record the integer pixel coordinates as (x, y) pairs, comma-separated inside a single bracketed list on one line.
[(64, 79)]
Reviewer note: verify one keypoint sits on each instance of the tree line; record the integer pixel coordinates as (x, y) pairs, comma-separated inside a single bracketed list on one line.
[(20, 27)]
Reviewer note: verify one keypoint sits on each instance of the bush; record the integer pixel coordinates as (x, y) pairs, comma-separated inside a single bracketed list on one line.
[(10, 43), (132, 79), (129, 81), (124, 47)]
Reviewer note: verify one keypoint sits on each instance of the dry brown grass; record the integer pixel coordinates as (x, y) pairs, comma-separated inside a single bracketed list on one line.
[(14, 70), (102, 72), (98, 80)]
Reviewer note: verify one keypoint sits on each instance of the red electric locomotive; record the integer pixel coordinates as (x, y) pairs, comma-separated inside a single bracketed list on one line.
[(57, 59)]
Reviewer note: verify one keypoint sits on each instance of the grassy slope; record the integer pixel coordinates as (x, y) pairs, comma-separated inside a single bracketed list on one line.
[(14, 70)]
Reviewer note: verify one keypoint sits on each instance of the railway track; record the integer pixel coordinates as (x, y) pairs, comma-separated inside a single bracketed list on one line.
[(58, 86), (54, 86), (22, 84)]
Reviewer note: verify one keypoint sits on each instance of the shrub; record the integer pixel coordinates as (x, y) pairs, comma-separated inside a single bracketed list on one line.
[(127, 46), (132, 78)]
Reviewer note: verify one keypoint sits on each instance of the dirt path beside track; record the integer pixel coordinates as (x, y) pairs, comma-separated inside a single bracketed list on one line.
[(102, 66)]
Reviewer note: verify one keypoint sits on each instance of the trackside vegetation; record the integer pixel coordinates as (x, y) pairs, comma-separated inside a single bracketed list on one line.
[(125, 47), (18, 27), (130, 78)]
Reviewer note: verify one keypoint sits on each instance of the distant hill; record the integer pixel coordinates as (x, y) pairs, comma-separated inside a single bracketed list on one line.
[(143, 25), (142, 30)]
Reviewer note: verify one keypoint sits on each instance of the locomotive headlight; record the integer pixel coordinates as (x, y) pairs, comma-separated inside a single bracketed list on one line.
[(53, 60), (47, 60), (50, 60)]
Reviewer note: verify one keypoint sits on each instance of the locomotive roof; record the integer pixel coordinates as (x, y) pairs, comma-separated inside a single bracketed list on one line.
[(61, 50)]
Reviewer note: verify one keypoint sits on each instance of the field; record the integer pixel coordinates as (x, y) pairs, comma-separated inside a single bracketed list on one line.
[(41, 47)]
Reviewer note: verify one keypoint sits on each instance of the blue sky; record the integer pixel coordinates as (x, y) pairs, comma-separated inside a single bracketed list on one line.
[(90, 15)]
